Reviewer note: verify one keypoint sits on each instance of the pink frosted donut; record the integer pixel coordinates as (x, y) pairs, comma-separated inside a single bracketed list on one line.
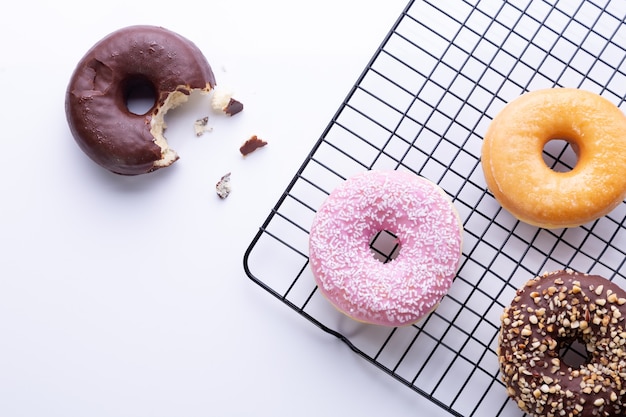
[(404, 290)]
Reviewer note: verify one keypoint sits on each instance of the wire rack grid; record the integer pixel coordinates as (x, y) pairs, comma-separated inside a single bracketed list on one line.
[(422, 104)]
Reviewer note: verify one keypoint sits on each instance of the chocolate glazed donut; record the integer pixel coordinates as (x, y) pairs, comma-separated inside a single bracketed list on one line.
[(547, 314), (131, 58)]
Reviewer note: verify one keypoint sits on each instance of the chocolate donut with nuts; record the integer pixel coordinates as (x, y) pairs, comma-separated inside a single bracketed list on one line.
[(549, 313), (135, 57)]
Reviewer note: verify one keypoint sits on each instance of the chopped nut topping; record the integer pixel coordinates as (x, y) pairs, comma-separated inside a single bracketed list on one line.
[(548, 313)]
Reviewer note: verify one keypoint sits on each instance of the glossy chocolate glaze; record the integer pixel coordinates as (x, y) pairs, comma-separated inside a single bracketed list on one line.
[(95, 105), (546, 314)]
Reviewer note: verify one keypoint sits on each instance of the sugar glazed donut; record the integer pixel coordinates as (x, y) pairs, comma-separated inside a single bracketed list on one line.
[(96, 99), (521, 181), (429, 233), (548, 313)]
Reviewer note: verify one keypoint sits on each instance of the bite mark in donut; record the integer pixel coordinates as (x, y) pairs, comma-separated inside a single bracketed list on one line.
[(429, 235), (548, 313), (96, 109)]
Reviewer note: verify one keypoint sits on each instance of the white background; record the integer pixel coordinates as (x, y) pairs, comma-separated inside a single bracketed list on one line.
[(126, 296)]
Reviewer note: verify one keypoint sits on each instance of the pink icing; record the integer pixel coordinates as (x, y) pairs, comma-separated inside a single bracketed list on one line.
[(407, 288)]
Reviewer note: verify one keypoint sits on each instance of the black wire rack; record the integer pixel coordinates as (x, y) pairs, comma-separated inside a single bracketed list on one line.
[(422, 104)]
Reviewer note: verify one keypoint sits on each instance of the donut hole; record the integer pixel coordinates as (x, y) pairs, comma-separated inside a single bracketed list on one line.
[(574, 354), (139, 95), (560, 155), (385, 246)]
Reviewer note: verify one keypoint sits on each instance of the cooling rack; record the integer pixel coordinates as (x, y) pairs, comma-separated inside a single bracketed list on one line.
[(422, 104)]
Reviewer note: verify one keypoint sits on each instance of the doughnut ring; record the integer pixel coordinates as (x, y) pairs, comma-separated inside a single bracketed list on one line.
[(547, 314), (429, 233), (521, 181), (96, 99)]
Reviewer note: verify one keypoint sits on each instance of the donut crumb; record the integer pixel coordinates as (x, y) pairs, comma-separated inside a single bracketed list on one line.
[(223, 101), (223, 187), (200, 126), (233, 107), (252, 145)]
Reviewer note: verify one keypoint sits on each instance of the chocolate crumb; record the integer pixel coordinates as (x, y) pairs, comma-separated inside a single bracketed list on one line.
[(233, 107), (251, 145), (223, 101), (223, 187)]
